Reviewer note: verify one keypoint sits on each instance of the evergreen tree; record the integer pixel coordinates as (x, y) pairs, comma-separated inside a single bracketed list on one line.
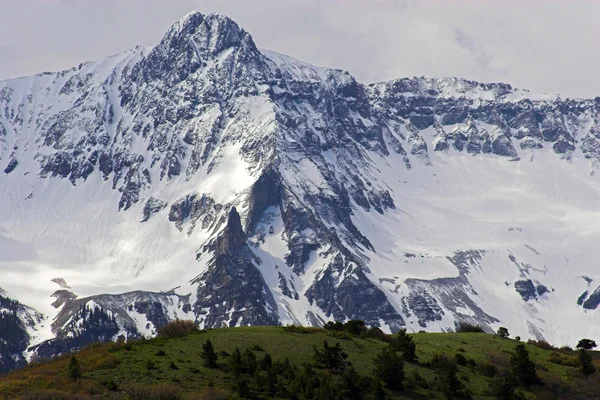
[(389, 368), (586, 366), (249, 362), (242, 387), (586, 344), (266, 362), (209, 355), (503, 332), (73, 370), (377, 391), (523, 368), (448, 380), (504, 388), (331, 357), (404, 343), (326, 389), (235, 362), (350, 386)]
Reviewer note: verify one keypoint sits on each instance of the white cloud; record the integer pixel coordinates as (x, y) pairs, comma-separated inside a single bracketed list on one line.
[(548, 46)]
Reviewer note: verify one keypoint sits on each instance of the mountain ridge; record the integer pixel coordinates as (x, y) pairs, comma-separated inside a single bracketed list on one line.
[(122, 175)]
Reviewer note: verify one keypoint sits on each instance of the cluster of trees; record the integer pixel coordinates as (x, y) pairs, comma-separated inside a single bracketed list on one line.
[(331, 376)]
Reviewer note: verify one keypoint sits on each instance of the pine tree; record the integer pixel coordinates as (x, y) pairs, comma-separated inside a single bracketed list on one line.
[(523, 368), (503, 388), (266, 362), (389, 368), (448, 380), (209, 355), (586, 366), (503, 332), (73, 370), (586, 344), (404, 343), (235, 362), (249, 362), (331, 357)]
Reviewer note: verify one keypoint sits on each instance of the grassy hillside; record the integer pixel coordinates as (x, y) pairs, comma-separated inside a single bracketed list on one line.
[(172, 368)]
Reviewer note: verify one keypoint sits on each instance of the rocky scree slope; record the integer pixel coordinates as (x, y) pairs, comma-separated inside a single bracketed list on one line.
[(206, 179)]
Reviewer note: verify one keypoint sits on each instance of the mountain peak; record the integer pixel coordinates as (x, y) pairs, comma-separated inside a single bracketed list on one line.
[(191, 43), (210, 33)]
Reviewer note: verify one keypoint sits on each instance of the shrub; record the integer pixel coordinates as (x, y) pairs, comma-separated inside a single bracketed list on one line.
[(460, 359), (466, 327), (257, 347), (112, 385), (378, 334), (177, 329), (355, 327), (156, 392), (150, 365), (108, 362), (160, 353), (488, 369), (334, 326), (339, 335), (542, 344), (301, 329)]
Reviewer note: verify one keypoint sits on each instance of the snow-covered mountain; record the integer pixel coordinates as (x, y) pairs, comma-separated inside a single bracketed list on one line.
[(206, 179)]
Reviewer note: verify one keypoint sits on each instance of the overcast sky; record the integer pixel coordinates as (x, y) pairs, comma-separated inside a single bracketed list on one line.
[(541, 45)]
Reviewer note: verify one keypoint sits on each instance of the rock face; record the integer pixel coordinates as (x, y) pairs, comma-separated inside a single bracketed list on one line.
[(269, 191), (16, 320)]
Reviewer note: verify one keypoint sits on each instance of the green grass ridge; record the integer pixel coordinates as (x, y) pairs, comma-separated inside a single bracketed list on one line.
[(172, 368)]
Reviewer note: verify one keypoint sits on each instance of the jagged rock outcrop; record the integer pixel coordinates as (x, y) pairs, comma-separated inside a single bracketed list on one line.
[(271, 191)]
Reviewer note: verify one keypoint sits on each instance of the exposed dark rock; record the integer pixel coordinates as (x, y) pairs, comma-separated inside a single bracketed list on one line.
[(591, 303), (424, 307), (193, 209), (233, 238), (12, 164), (529, 143), (541, 289), (441, 145), (152, 206), (421, 121), (562, 145), (582, 298), (526, 289), (355, 297), (232, 292), (265, 192), (503, 146)]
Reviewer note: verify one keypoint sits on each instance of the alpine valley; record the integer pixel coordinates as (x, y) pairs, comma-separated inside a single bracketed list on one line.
[(208, 180)]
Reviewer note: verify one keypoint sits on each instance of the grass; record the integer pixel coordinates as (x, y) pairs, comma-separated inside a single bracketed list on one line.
[(174, 365)]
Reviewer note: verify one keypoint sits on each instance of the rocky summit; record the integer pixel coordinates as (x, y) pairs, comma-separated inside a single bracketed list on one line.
[(206, 179)]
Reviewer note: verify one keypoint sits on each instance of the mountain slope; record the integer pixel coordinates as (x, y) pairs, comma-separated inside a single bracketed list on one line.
[(205, 179)]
